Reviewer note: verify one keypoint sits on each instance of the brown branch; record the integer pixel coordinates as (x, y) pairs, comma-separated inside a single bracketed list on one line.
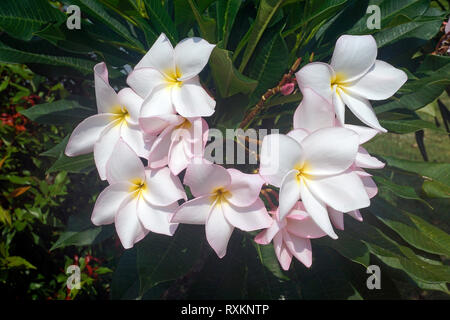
[(287, 77), (266, 196)]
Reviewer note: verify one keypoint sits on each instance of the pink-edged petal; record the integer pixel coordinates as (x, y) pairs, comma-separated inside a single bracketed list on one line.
[(337, 218), (105, 95), (329, 151), (370, 186), (244, 188), (204, 178), (355, 214), (157, 219), (298, 134), (104, 146), (300, 224), (299, 248), (134, 137), (316, 76), (289, 193), (159, 152), (160, 56), (362, 109), (159, 102), (343, 192), (108, 203), (218, 231), (128, 226), (178, 157), (156, 124), (353, 56), (365, 133), (163, 188), (191, 100), (380, 82), (191, 56), (339, 105), (283, 254), (195, 211), (317, 210), (85, 135), (132, 102), (365, 160), (314, 112), (279, 154), (266, 236), (145, 80), (250, 218), (124, 164)]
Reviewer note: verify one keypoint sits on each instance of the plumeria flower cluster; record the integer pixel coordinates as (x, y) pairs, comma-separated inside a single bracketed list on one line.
[(318, 166)]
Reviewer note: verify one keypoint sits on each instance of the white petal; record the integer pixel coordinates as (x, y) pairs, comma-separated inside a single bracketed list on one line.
[(381, 82), (339, 105), (160, 56), (191, 56), (108, 203), (195, 211), (156, 124), (85, 135), (144, 80), (314, 112), (163, 187), (218, 231), (124, 164), (266, 236), (343, 192), (298, 134), (337, 218), (104, 147), (289, 193), (299, 247), (365, 160), (134, 137), (250, 218), (191, 100), (158, 155), (365, 133), (353, 56), (132, 102), (244, 188), (178, 157), (329, 151), (316, 76), (317, 210), (157, 219), (105, 95), (356, 215), (159, 102), (300, 223), (203, 178), (362, 109), (283, 254), (128, 226), (279, 154)]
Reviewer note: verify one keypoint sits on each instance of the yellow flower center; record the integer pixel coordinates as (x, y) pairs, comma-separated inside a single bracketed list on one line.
[(138, 187), (186, 124), (301, 171), (120, 114), (172, 78), (219, 196)]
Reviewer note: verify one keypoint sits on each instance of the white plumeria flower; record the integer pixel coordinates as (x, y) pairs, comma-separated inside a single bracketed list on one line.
[(225, 199), (117, 118), (315, 170), (314, 112), (353, 77), (179, 141), (167, 78), (137, 200)]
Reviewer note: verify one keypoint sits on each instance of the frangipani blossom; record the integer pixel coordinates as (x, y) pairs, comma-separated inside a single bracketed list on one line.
[(137, 200), (314, 112), (353, 77), (117, 118), (179, 141), (315, 170), (167, 78), (225, 199), (291, 236)]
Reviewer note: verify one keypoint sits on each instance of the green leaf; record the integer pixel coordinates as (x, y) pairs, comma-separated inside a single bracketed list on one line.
[(226, 14), (160, 19), (405, 192), (58, 112), (228, 80), (406, 124), (125, 281), (207, 25), (20, 19), (57, 150), (76, 238), (435, 189), (266, 10), (80, 164), (162, 258), (97, 11), (11, 55), (16, 262)]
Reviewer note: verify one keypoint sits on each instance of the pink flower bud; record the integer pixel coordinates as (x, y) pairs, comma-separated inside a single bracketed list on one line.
[(287, 89)]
